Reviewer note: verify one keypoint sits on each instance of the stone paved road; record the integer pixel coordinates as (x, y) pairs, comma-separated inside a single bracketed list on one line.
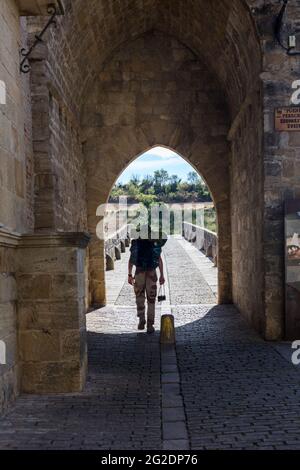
[(180, 265), (233, 390), (239, 393), (120, 408), (187, 284)]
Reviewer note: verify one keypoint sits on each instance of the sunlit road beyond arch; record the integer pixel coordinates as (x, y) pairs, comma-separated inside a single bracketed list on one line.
[(236, 391)]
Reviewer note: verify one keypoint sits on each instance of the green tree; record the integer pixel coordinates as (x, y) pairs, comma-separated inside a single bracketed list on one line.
[(132, 190), (135, 180), (193, 179), (174, 183), (162, 187), (147, 199), (161, 178), (146, 185)]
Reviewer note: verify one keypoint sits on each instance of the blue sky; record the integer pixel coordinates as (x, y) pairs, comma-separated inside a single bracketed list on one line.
[(156, 159)]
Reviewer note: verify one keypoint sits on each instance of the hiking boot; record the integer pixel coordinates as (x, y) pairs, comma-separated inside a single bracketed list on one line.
[(141, 325), (150, 329)]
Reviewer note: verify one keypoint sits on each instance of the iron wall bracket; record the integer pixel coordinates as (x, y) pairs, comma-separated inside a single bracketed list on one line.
[(52, 11)]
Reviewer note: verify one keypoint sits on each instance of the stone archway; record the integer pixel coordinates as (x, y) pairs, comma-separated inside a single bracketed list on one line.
[(225, 41), (96, 247), (142, 73), (167, 98)]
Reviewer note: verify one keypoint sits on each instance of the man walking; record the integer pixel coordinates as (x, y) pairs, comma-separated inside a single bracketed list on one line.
[(146, 257)]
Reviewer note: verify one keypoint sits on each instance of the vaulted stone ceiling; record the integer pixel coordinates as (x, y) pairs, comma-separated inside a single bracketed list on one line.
[(220, 32)]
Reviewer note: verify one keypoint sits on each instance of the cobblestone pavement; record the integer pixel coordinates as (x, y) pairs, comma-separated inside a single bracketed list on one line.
[(184, 263), (239, 393), (187, 284), (223, 387), (120, 407)]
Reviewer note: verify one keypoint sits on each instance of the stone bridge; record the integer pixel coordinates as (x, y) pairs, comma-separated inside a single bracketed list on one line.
[(202, 238)]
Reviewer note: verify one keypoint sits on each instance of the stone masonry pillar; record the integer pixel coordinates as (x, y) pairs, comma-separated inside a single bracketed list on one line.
[(97, 260), (51, 312), (224, 253)]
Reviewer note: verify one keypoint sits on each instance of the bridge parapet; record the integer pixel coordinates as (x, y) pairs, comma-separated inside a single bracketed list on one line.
[(203, 239), (115, 245)]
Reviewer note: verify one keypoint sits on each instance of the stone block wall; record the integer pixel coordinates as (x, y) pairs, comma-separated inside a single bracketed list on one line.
[(247, 213), (60, 200), (42, 313), (68, 167), (16, 210), (16, 185), (51, 312), (281, 150)]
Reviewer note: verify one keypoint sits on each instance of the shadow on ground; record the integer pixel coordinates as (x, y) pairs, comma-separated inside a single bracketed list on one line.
[(238, 391)]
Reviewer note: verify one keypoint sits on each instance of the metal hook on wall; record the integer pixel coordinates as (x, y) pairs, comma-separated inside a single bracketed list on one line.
[(52, 11)]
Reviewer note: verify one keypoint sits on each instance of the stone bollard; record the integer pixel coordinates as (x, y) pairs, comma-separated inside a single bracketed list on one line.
[(167, 330), (110, 264), (215, 261), (117, 253), (209, 251)]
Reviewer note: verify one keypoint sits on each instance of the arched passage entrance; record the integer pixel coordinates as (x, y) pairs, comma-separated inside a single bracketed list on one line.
[(98, 263), (163, 189), (167, 99), (185, 76)]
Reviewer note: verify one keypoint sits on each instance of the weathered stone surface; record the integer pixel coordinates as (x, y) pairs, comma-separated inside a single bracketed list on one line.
[(16, 208), (51, 377), (57, 261), (51, 310), (7, 318), (39, 315), (8, 291), (39, 346), (34, 287)]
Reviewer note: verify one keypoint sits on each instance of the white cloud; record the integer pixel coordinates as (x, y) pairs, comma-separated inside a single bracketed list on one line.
[(162, 152), (156, 159), (140, 165)]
